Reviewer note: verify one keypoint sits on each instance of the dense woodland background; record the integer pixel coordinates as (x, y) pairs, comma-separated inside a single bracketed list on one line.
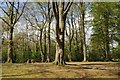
[(32, 31)]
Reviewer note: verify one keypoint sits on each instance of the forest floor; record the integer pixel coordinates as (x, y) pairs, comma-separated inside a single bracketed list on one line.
[(71, 70)]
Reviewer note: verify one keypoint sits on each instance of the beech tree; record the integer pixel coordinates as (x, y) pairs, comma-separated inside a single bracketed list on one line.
[(49, 18), (60, 13), (102, 27), (82, 9), (12, 13)]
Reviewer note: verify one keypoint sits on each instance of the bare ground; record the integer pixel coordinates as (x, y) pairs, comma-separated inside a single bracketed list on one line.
[(71, 70)]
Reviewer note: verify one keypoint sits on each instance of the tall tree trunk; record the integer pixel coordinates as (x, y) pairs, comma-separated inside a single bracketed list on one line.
[(1, 41), (59, 59), (69, 55), (27, 45), (45, 47), (107, 48), (41, 48), (60, 16), (49, 43), (84, 46), (81, 44), (81, 41), (10, 46), (83, 30), (62, 20), (57, 39), (10, 49)]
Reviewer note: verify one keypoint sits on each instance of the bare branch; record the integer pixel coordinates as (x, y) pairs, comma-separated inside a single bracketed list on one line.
[(14, 7), (67, 7), (4, 11), (17, 12), (42, 9), (20, 13), (31, 24), (5, 21), (7, 4), (56, 5), (54, 10)]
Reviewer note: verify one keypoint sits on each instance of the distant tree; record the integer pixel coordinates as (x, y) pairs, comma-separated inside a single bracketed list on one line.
[(105, 26), (50, 16), (41, 19), (82, 9), (70, 34)]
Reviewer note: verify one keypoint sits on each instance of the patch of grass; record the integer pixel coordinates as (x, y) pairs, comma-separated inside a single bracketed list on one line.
[(48, 70)]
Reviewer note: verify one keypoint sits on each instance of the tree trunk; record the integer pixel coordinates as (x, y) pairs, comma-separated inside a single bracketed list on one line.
[(10, 47), (49, 43), (81, 44), (107, 47), (84, 43), (59, 49), (27, 45), (60, 37), (69, 54), (45, 47), (14, 16), (1, 41), (60, 30), (42, 56), (83, 30), (107, 50)]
